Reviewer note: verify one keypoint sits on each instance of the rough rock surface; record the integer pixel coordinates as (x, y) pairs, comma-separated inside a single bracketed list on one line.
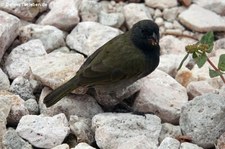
[(199, 19), (196, 115), (113, 129), (8, 31), (43, 132)]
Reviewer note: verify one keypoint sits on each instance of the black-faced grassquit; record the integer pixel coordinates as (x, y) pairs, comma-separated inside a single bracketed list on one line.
[(123, 60)]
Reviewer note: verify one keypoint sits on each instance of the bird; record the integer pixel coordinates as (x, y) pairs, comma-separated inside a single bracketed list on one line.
[(124, 59)]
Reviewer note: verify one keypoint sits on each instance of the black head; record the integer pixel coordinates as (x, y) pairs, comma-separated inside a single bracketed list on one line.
[(145, 35)]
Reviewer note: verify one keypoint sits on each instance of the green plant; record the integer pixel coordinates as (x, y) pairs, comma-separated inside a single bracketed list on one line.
[(199, 52)]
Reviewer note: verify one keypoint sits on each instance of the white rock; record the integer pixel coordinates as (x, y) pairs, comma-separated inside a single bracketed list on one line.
[(177, 25), (217, 6), (89, 10), (186, 145), (139, 142), (81, 128), (17, 111), (170, 14), (162, 95), (62, 14), (8, 31), (168, 25), (43, 132), (159, 21), (219, 44), (80, 105), (169, 130), (50, 36), (202, 20), (62, 146), (4, 81), (22, 87), (222, 91), (87, 37), (161, 4), (134, 12), (83, 146), (17, 63), (169, 143), (157, 13), (25, 9), (111, 19), (170, 44), (170, 62), (55, 68), (197, 88), (203, 119), (111, 130)]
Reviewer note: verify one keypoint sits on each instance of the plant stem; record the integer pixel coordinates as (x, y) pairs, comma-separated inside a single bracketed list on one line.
[(216, 69)]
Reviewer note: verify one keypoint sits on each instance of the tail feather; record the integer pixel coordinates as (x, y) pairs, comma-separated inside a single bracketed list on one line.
[(61, 91)]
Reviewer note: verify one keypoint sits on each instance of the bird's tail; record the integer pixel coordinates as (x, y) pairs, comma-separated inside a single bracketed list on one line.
[(61, 91)]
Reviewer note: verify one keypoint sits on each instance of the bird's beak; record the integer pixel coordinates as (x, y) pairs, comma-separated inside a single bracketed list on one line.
[(154, 40)]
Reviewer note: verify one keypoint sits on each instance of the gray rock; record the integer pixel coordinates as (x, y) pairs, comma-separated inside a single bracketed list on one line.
[(83, 146), (11, 140), (197, 88), (168, 25), (43, 131), (5, 106), (219, 44), (17, 63), (55, 68), (222, 91), (63, 14), (4, 82), (80, 105), (111, 19), (162, 95), (32, 106), (217, 6), (169, 143), (135, 12), (87, 37), (170, 14), (8, 32), (25, 9), (81, 128), (89, 10), (169, 130), (203, 119), (111, 130), (186, 145), (202, 20), (22, 87), (161, 4), (50, 36)]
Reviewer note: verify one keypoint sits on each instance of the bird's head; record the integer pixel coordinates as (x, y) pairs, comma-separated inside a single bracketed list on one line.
[(145, 35)]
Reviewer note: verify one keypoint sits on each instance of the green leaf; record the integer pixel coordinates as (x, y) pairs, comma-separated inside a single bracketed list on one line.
[(221, 64), (208, 38), (182, 62), (200, 60), (194, 55), (213, 73)]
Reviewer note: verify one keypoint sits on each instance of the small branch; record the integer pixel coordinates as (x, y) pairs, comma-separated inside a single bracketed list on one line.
[(216, 69), (180, 35)]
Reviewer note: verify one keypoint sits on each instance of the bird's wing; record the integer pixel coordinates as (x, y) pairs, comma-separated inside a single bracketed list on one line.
[(117, 60)]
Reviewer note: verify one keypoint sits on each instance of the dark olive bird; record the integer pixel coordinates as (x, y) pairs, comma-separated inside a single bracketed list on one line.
[(126, 58)]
